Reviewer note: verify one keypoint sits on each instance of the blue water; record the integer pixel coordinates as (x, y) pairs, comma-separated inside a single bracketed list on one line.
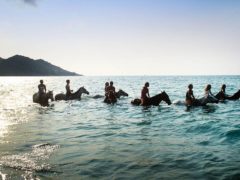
[(88, 139)]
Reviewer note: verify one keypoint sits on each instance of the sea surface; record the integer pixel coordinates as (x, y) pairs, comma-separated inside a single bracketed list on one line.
[(89, 139)]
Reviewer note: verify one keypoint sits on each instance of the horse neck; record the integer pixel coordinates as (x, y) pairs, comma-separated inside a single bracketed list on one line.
[(117, 94), (162, 97), (80, 92), (157, 98)]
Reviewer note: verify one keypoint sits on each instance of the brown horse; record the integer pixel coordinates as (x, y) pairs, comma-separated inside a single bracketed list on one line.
[(44, 99), (222, 96), (76, 95), (118, 94), (112, 98), (155, 100)]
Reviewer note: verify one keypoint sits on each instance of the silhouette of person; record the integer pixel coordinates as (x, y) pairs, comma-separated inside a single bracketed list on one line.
[(189, 95), (208, 90), (68, 90), (208, 93), (145, 94), (222, 94), (41, 91), (111, 92), (106, 88)]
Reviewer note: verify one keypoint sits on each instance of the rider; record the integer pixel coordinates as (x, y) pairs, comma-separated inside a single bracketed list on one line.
[(111, 91), (145, 94), (222, 94), (106, 88), (208, 92), (68, 90), (41, 90), (189, 95)]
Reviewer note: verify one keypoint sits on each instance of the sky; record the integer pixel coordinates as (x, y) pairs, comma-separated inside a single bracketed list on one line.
[(125, 37)]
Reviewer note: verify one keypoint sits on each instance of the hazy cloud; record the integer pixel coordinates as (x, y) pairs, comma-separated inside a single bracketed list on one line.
[(31, 2)]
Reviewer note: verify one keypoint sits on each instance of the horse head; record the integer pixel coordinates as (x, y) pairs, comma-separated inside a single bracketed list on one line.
[(121, 93), (50, 95), (166, 98), (82, 90)]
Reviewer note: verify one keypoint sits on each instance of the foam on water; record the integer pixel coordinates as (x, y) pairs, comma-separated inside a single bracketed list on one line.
[(31, 161)]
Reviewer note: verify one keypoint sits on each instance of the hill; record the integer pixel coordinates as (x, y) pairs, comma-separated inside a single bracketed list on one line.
[(24, 66)]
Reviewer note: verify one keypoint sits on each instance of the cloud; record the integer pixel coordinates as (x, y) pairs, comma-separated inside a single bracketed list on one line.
[(31, 2)]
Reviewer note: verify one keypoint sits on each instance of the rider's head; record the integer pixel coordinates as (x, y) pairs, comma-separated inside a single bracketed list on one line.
[(147, 84), (190, 86), (111, 83), (68, 81), (106, 83), (41, 81)]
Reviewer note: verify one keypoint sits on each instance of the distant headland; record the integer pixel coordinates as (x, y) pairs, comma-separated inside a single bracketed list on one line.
[(24, 66)]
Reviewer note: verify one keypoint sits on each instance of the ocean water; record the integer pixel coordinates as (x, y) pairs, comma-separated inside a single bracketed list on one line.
[(88, 139)]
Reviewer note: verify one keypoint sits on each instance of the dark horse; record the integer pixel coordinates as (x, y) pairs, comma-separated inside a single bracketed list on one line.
[(112, 98), (44, 100), (222, 96), (76, 95), (118, 94), (155, 100)]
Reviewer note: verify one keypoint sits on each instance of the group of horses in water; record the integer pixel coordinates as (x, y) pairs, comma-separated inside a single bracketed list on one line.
[(154, 101)]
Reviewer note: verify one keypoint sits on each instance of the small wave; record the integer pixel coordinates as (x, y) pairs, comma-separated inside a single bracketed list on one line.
[(32, 161), (232, 134), (178, 102), (204, 143), (144, 123)]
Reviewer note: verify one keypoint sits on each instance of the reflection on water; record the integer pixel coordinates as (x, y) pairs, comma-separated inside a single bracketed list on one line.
[(90, 139), (3, 127), (209, 108)]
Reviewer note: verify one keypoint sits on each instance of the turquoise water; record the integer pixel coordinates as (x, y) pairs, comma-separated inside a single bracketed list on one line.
[(88, 139)]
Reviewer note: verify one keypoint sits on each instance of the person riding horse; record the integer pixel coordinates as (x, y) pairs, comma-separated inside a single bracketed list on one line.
[(41, 91), (110, 93), (106, 88), (145, 94), (68, 90), (189, 96), (223, 96)]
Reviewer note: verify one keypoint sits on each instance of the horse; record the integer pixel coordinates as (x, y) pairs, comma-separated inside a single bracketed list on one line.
[(76, 95), (44, 99), (117, 94), (120, 93), (198, 102), (155, 100), (222, 96), (111, 98)]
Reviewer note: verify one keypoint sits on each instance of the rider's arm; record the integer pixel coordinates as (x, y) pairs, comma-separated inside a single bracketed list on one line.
[(192, 95), (45, 88), (212, 96)]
